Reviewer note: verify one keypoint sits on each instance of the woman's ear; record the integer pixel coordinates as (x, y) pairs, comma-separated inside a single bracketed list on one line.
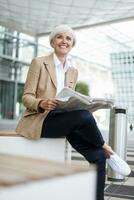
[(52, 43)]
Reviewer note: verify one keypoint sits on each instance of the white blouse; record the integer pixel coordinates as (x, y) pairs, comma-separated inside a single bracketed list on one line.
[(60, 72)]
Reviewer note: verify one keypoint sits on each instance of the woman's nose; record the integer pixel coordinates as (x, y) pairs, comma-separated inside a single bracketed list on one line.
[(64, 40)]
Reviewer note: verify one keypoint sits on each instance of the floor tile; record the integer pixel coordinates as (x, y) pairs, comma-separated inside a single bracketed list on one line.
[(120, 191), (130, 182)]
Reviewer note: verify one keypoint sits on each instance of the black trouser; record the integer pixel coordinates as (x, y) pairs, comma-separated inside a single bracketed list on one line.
[(81, 131)]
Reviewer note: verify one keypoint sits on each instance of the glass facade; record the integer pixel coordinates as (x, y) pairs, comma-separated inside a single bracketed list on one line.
[(16, 51), (123, 79)]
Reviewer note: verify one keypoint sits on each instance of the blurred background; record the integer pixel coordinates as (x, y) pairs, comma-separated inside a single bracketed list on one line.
[(103, 55)]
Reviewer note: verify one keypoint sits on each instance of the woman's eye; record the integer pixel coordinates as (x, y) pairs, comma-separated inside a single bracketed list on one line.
[(69, 38), (59, 36)]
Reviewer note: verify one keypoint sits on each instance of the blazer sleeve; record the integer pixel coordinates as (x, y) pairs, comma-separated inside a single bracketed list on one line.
[(29, 98)]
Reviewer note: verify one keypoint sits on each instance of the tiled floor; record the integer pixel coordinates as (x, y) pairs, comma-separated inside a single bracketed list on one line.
[(116, 190), (122, 190)]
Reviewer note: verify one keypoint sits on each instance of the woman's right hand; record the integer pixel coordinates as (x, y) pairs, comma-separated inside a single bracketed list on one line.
[(49, 104)]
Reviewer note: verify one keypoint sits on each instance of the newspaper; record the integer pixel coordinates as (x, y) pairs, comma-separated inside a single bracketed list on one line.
[(72, 100)]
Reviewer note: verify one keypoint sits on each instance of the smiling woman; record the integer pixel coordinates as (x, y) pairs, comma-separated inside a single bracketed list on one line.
[(62, 40), (62, 43), (47, 76)]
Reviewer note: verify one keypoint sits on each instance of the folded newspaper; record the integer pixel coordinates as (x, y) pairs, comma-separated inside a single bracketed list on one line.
[(72, 100)]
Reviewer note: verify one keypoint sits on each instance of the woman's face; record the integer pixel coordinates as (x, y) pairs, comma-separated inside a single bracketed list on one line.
[(62, 43)]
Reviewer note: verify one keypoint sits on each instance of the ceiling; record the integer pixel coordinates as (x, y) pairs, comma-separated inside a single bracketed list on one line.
[(39, 17)]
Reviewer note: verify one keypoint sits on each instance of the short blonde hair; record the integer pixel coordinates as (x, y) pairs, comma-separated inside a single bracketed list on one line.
[(62, 29)]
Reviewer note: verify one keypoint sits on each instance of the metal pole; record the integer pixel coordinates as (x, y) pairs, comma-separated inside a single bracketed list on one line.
[(16, 76), (117, 138)]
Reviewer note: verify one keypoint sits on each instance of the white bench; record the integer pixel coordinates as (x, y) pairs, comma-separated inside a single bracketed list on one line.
[(57, 149)]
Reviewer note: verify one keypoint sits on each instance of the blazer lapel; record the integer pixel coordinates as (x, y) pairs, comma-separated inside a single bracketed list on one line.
[(49, 64), (70, 77)]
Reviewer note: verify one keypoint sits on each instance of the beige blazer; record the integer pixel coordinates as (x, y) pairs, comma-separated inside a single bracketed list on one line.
[(40, 84)]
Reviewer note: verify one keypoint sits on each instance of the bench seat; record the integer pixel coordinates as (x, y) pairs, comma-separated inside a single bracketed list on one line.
[(29, 178), (49, 148)]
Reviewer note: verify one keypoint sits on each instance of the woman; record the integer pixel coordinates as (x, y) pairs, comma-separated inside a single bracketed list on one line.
[(42, 118)]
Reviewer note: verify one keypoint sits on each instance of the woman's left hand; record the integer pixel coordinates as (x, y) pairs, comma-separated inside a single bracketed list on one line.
[(107, 149)]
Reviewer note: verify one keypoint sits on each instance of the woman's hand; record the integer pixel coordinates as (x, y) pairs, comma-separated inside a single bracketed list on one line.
[(107, 149), (49, 104)]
